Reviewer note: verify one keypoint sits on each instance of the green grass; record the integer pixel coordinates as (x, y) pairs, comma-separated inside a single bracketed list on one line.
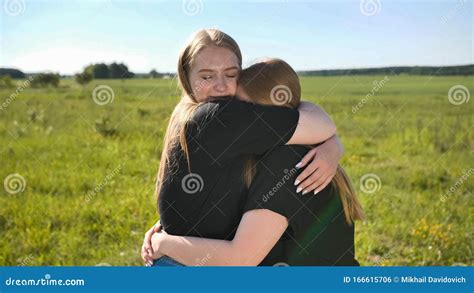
[(66, 146)]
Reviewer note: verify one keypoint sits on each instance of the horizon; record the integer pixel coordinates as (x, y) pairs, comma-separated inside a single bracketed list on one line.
[(51, 36)]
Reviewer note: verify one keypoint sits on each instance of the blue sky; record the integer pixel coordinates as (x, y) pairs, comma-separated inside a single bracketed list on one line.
[(64, 36)]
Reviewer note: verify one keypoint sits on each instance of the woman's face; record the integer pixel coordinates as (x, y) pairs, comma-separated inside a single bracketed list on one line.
[(214, 73)]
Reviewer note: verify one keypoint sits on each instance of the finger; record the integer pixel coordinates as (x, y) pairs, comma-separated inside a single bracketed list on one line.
[(143, 248), (149, 251), (306, 159), (148, 246), (310, 169), (317, 185), (148, 259), (149, 262), (147, 241), (149, 233), (324, 185), (314, 184), (157, 228), (309, 179), (144, 254)]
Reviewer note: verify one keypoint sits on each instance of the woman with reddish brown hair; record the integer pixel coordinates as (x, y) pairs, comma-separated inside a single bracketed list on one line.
[(201, 191)]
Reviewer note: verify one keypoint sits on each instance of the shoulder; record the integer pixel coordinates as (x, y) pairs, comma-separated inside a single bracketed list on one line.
[(277, 168), (284, 157), (216, 107)]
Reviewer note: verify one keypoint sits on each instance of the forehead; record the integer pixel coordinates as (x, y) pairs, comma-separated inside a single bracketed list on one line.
[(215, 58)]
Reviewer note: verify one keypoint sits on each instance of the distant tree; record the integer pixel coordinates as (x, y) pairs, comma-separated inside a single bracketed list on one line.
[(119, 71), (13, 73), (84, 78), (412, 70), (101, 70), (154, 74), (46, 79), (125, 72), (89, 69), (114, 70)]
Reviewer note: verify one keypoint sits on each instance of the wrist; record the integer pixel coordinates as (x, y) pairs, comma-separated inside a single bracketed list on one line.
[(340, 147), (335, 144), (156, 241), (165, 244)]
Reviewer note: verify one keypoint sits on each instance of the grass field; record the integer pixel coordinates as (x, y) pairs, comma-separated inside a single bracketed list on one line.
[(88, 169)]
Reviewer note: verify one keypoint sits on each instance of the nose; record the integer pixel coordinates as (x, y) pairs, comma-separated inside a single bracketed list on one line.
[(221, 84)]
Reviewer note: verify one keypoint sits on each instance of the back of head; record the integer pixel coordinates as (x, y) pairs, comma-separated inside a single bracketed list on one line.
[(271, 82), (274, 82)]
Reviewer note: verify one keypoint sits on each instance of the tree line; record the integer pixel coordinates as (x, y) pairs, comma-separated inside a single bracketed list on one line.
[(410, 70), (121, 71)]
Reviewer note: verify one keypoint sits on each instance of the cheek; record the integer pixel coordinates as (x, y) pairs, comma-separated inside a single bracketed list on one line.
[(201, 89), (202, 86), (232, 85)]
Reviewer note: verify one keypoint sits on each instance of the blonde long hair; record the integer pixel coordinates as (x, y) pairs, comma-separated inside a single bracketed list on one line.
[(274, 82), (175, 135)]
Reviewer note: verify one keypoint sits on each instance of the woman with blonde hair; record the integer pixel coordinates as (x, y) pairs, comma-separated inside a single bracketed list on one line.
[(277, 227), (200, 190)]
